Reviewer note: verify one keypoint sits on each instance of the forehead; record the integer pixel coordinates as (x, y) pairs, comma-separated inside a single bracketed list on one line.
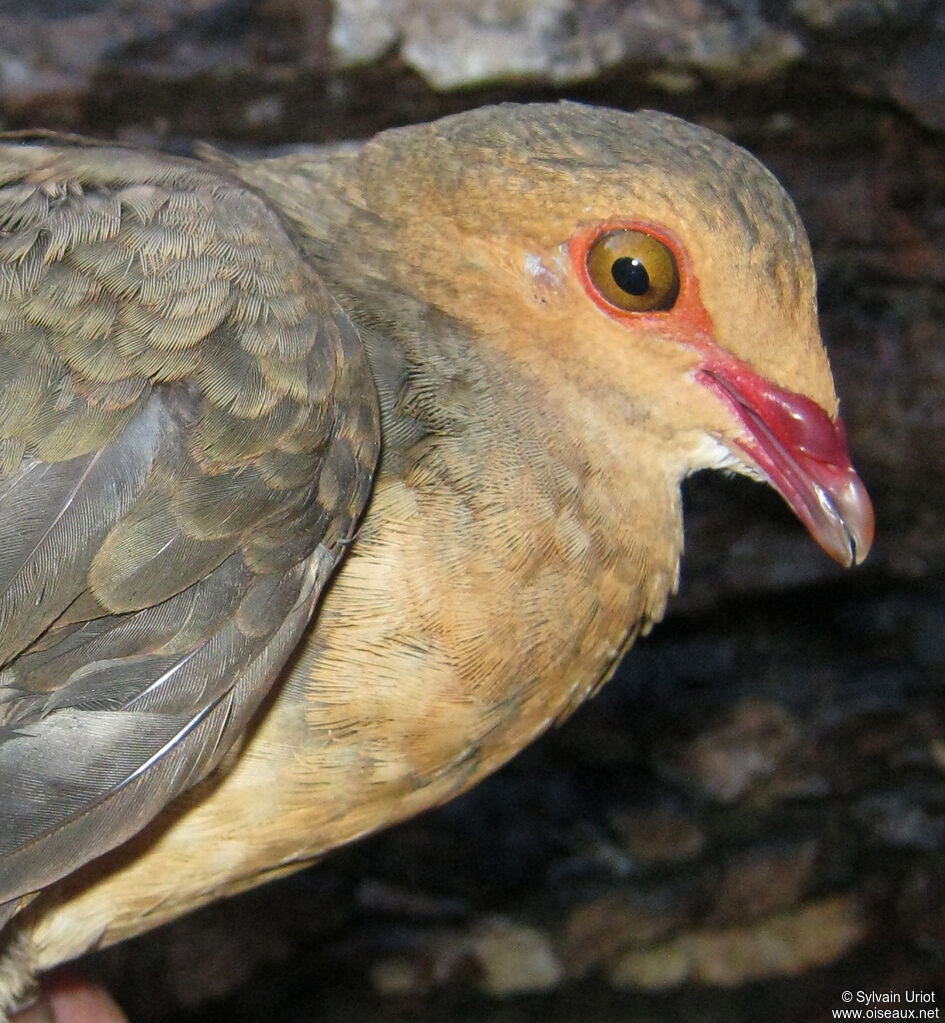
[(567, 157)]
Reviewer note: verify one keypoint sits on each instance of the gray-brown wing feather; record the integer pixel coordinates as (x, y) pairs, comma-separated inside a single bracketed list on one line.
[(188, 432)]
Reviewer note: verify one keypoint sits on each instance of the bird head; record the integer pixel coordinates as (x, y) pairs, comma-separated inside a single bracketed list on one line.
[(652, 271)]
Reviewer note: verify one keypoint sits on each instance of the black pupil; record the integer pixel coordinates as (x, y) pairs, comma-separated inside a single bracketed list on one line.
[(630, 275)]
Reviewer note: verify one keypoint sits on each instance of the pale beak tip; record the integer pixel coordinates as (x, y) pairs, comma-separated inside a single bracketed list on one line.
[(845, 523), (860, 522)]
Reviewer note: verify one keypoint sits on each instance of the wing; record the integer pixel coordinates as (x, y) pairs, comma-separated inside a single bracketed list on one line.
[(188, 432)]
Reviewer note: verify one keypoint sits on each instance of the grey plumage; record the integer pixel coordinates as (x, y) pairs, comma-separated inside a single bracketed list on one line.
[(188, 433)]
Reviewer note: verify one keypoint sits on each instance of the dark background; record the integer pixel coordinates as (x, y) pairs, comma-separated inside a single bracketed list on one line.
[(750, 819)]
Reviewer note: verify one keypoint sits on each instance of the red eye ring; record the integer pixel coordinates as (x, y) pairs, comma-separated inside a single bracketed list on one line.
[(687, 320), (633, 271), (583, 243)]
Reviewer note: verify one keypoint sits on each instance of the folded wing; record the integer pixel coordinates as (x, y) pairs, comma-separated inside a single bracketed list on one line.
[(188, 432)]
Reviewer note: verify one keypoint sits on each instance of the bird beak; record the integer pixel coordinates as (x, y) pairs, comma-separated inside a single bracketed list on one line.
[(802, 452)]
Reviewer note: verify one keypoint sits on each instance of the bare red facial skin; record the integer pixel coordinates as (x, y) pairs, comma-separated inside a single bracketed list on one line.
[(687, 321), (790, 439)]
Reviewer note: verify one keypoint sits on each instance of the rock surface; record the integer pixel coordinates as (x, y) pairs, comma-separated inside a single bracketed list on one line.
[(750, 819)]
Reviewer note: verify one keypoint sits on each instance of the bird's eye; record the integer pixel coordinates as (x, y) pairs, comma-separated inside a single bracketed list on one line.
[(633, 271)]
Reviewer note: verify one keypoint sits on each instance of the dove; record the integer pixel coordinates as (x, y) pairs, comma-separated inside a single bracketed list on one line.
[(329, 481)]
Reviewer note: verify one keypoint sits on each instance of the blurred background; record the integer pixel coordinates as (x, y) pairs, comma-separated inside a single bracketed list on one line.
[(750, 819)]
